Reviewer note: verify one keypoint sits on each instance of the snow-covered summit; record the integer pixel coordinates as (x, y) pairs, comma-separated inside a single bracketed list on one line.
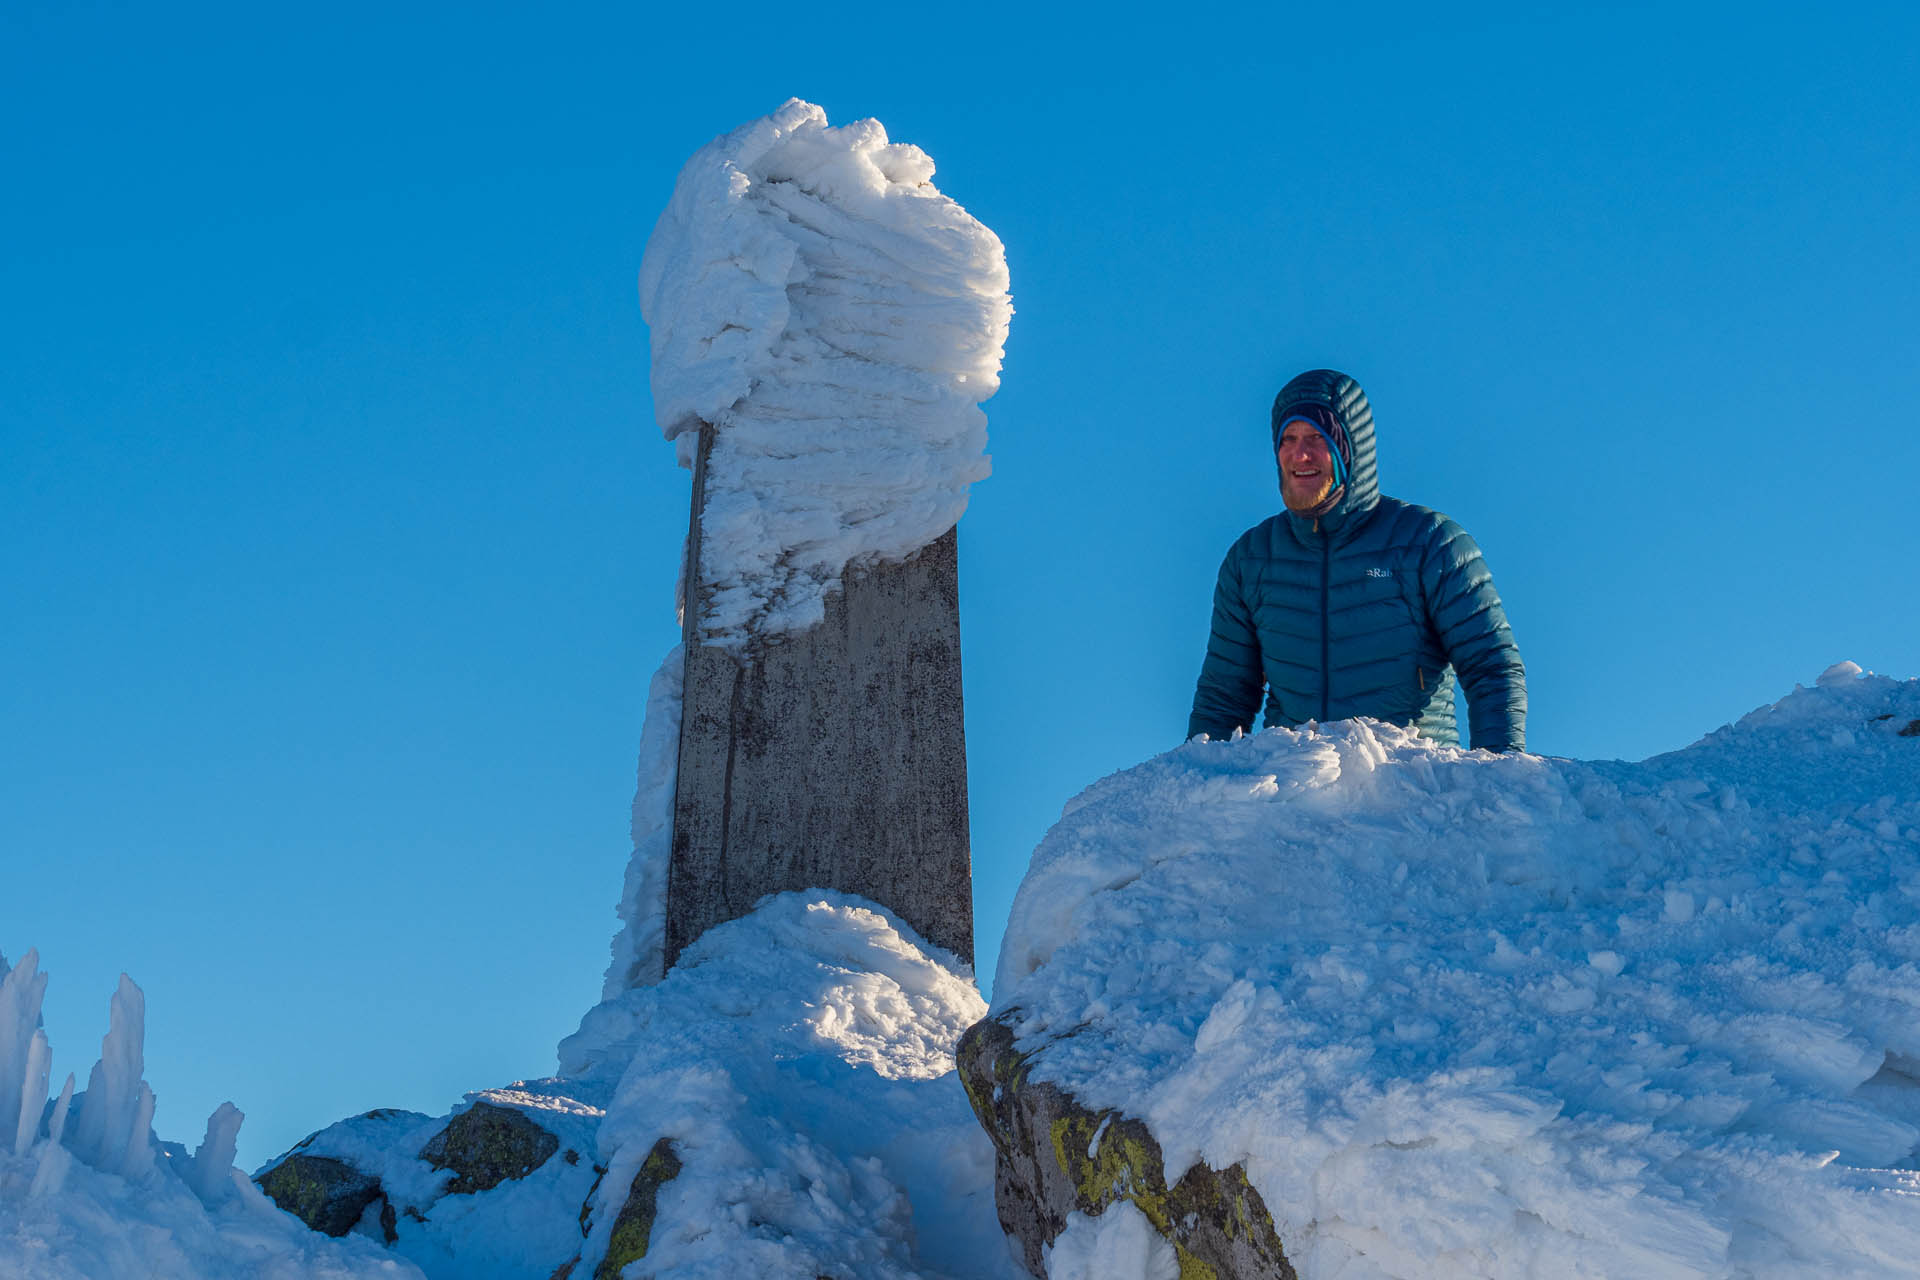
[(837, 320), (1488, 1016)]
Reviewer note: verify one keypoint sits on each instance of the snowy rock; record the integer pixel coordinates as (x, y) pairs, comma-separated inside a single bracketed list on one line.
[(1471, 1016), (496, 1189), (1061, 1163), (485, 1145), (328, 1195)]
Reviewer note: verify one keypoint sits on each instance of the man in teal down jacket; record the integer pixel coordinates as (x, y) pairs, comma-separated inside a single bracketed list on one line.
[(1348, 603)]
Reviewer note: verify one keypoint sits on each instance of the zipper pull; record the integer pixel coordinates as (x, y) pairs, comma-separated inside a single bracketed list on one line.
[(1421, 674)]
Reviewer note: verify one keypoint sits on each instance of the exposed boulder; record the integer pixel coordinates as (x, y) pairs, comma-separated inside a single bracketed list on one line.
[(486, 1145), (1054, 1156), (328, 1195)]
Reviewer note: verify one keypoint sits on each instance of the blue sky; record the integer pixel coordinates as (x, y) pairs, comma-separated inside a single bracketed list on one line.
[(338, 542)]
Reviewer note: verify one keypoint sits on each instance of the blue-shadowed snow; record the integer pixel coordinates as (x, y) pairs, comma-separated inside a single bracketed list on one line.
[(815, 298), (1467, 1015)]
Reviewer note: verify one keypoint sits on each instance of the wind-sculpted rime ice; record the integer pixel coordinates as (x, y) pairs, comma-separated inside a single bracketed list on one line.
[(1466, 1015), (90, 1200), (638, 948), (837, 321)]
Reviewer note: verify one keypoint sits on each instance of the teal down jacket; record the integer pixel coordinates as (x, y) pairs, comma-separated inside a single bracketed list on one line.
[(1367, 611)]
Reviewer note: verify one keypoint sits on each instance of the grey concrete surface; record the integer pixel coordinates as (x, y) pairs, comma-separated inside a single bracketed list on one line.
[(831, 758)]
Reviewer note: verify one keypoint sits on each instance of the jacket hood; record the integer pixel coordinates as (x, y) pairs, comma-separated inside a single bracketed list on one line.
[(1336, 394)]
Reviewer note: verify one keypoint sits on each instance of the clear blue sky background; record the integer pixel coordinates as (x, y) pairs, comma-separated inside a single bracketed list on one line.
[(337, 542)]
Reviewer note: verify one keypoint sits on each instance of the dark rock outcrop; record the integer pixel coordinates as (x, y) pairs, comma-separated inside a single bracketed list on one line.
[(485, 1145), (633, 1228), (1054, 1156), (328, 1195)]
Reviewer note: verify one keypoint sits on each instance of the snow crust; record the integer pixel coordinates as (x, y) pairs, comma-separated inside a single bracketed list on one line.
[(800, 1060), (1467, 1015), (837, 321)]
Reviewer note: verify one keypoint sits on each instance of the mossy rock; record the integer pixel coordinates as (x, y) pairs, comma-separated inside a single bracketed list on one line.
[(486, 1145), (633, 1228), (328, 1195), (1053, 1157)]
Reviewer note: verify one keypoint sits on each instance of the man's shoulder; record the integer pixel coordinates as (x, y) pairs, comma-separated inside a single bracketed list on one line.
[(1259, 541), (1266, 531), (1400, 523)]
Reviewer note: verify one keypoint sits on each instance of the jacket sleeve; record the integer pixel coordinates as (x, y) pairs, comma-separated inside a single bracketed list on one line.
[(1465, 611), (1228, 693)]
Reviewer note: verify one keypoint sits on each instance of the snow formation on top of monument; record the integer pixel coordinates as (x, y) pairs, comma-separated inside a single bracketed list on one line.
[(838, 321)]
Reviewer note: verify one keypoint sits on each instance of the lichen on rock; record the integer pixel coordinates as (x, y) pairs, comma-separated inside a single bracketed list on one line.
[(486, 1145), (1054, 1156), (633, 1227), (328, 1195)]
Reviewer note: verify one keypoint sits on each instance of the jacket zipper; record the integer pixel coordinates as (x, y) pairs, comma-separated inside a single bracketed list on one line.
[(1326, 668)]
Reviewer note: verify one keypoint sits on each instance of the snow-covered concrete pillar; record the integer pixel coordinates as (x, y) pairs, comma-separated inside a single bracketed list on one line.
[(825, 324)]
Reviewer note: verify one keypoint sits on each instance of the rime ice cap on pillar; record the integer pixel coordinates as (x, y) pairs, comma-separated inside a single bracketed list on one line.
[(837, 320)]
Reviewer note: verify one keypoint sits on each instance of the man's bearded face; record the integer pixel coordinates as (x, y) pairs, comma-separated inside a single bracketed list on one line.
[(1306, 467)]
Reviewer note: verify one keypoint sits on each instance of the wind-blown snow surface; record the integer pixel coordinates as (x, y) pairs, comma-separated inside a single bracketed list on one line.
[(838, 321), (1467, 1015), (87, 1194), (800, 1060)]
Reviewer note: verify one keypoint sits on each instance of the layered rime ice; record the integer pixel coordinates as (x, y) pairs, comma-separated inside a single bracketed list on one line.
[(1466, 1015), (837, 322), (86, 1193), (800, 1061), (639, 947)]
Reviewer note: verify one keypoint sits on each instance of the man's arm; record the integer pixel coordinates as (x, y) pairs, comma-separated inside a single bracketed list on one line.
[(1466, 613), (1228, 693)]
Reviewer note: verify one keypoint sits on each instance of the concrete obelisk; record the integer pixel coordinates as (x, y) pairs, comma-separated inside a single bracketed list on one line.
[(825, 324)]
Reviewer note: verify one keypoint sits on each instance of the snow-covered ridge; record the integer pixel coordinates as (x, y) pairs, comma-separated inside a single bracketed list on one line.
[(1468, 1015), (837, 320)]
